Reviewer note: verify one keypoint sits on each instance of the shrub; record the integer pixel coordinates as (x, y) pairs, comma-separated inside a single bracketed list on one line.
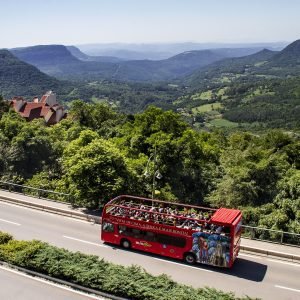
[(88, 270), (5, 237)]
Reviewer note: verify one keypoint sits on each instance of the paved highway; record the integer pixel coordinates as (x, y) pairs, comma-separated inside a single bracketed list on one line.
[(251, 275), (15, 285)]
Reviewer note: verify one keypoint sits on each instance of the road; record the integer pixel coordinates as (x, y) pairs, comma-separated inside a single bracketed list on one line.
[(18, 286), (251, 275)]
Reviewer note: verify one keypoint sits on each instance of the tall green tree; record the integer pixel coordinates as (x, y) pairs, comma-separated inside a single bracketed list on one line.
[(95, 170)]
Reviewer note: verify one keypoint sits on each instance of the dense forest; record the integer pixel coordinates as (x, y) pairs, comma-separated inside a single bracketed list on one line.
[(97, 153)]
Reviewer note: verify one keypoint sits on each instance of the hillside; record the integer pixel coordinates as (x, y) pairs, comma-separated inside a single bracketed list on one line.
[(45, 56), (252, 92), (289, 56), (57, 60), (230, 68), (20, 78), (160, 51), (82, 56), (264, 64)]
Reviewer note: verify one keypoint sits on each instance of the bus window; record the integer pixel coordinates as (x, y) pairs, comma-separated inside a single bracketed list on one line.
[(170, 240), (122, 229), (108, 227), (137, 233), (150, 236)]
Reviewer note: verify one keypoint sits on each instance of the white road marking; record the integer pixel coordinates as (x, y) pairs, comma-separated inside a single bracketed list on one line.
[(9, 222), (15, 205), (51, 214), (284, 262), (287, 288), (51, 283), (182, 265), (86, 242), (248, 255)]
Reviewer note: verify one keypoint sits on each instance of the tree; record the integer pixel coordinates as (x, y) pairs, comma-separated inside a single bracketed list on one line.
[(95, 170), (4, 107), (30, 150), (99, 117), (250, 172)]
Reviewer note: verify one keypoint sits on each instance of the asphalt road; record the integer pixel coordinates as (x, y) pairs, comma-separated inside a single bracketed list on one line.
[(251, 275), (18, 286)]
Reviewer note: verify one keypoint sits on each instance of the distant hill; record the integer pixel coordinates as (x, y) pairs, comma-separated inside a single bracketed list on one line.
[(45, 55), (57, 60), (238, 52), (18, 78), (230, 67), (167, 69), (266, 63), (290, 56), (82, 56), (160, 51)]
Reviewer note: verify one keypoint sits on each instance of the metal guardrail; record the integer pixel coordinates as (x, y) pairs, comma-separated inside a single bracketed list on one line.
[(251, 232), (270, 235), (36, 192)]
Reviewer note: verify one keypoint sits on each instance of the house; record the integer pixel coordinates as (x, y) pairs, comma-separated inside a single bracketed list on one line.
[(46, 108)]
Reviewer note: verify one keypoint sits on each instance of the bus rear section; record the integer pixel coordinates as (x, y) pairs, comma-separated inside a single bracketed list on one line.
[(186, 232)]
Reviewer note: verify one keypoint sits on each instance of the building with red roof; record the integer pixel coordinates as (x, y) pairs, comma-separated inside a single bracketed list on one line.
[(46, 108)]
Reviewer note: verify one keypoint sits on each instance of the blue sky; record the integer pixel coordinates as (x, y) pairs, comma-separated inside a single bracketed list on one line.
[(32, 22)]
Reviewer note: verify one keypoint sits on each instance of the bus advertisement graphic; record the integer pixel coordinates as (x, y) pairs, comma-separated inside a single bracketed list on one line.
[(212, 249)]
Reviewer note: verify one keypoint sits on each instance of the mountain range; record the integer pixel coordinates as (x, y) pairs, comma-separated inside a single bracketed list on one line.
[(58, 61), (159, 51), (100, 78), (70, 63), (265, 63)]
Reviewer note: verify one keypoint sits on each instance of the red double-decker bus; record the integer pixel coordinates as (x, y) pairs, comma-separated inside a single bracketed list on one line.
[(186, 232)]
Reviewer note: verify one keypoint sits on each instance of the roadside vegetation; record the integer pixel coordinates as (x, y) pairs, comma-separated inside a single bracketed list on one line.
[(92, 272), (98, 153)]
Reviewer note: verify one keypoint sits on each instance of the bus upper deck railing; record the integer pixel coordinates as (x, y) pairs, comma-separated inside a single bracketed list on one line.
[(251, 232)]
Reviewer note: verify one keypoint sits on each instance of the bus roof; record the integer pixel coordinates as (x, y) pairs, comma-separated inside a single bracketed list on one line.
[(225, 215)]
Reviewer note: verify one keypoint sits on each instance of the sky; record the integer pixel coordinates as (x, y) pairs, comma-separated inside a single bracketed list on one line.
[(74, 22)]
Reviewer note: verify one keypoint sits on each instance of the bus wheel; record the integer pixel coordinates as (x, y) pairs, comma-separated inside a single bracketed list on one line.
[(125, 244), (190, 258)]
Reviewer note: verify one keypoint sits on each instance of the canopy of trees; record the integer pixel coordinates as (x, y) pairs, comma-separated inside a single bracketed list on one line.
[(98, 153)]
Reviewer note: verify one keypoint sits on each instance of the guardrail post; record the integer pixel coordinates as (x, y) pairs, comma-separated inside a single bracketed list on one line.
[(39, 194), (281, 240), (9, 187), (70, 200)]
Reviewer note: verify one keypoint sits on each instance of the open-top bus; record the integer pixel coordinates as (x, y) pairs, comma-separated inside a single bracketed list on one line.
[(187, 232)]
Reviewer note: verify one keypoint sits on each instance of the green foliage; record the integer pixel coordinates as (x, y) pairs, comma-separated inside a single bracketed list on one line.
[(5, 237), (251, 170), (20, 78), (98, 153), (4, 107), (99, 117), (89, 271), (95, 170)]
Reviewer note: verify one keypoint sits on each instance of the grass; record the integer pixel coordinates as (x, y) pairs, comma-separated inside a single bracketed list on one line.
[(221, 93), (260, 63), (223, 123), (99, 100), (206, 107), (207, 95)]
